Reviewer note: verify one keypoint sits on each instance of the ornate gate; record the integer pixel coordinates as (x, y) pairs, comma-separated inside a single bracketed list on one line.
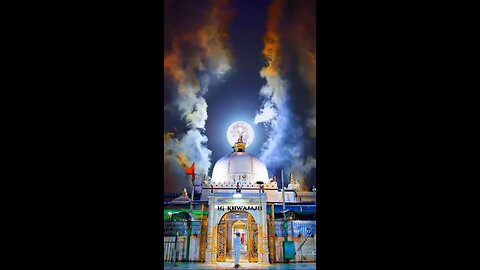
[(203, 238), (222, 239), (252, 239)]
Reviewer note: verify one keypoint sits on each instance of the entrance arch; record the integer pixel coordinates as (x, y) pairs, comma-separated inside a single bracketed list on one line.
[(221, 203), (247, 224)]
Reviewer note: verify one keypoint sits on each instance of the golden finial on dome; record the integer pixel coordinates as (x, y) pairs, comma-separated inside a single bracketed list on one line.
[(240, 145), (184, 193)]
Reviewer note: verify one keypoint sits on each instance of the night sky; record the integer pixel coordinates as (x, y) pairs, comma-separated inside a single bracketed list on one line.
[(227, 61)]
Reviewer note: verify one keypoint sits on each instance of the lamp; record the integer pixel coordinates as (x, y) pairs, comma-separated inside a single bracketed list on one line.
[(170, 215), (238, 193)]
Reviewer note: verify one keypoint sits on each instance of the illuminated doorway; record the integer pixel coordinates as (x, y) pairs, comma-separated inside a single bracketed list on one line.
[(231, 223)]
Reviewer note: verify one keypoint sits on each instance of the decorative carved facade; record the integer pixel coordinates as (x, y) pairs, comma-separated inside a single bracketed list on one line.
[(252, 240), (222, 239), (203, 238), (271, 238)]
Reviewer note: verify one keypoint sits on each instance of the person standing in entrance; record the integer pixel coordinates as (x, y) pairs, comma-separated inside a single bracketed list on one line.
[(237, 246)]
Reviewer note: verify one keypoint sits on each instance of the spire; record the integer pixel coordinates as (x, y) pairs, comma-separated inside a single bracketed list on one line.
[(240, 145)]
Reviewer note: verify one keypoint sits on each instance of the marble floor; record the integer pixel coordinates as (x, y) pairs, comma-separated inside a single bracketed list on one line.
[(229, 265)]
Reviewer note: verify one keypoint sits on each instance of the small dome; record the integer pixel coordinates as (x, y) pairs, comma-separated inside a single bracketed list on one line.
[(182, 199), (239, 167)]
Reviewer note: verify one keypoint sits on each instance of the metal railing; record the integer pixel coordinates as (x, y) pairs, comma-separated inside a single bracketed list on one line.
[(170, 250), (295, 227)]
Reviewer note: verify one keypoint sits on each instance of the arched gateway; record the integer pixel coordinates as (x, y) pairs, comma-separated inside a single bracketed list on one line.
[(243, 223), (252, 210)]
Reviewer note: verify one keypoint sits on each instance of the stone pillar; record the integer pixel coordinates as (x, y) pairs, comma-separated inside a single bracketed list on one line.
[(210, 256), (263, 232), (214, 243)]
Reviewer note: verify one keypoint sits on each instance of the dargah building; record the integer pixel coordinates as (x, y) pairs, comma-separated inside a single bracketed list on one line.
[(276, 225)]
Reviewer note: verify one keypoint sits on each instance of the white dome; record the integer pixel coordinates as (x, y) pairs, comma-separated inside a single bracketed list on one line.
[(239, 167)]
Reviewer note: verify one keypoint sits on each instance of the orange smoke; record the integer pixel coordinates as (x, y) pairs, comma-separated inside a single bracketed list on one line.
[(310, 62), (207, 41), (196, 45), (271, 40), (223, 14), (182, 70), (171, 66), (168, 136), (168, 154), (303, 35), (183, 160)]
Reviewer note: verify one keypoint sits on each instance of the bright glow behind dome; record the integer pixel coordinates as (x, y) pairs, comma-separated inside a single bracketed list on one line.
[(234, 130)]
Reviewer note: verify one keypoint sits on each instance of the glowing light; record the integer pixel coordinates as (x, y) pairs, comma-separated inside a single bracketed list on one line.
[(237, 195), (237, 128)]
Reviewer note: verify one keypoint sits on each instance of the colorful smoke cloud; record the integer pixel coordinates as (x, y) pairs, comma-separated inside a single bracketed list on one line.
[(198, 54), (287, 142)]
